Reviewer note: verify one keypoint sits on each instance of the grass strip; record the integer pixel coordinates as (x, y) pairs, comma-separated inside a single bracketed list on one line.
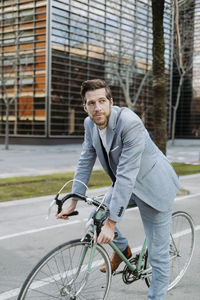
[(186, 169), (35, 186)]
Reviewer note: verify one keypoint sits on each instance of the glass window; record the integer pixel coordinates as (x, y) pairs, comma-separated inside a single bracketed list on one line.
[(9, 17), (26, 36), (26, 59), (9, 61), (27, 80), (26, 15), (60, 5), (9, 38), (63, 14)]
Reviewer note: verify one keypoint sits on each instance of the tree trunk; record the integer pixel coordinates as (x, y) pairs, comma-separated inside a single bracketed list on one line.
[(159, 81)]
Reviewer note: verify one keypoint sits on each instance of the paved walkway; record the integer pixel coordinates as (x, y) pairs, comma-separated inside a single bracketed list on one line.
[(22, 160), (187, 151)]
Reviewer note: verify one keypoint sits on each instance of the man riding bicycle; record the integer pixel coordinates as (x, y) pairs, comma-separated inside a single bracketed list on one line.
[(140, 173)]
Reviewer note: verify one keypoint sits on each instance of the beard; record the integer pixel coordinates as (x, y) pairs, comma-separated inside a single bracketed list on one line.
[(101, 121)]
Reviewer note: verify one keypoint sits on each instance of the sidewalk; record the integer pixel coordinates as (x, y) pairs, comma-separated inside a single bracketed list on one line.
[(187, 151), (31, 160), (23, 160)]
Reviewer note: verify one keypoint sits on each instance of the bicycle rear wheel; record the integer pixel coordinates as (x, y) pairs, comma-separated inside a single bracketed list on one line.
[(181, 248), (57, 275)]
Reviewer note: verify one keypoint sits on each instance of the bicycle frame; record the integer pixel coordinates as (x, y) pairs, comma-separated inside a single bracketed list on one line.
[(138, 268)]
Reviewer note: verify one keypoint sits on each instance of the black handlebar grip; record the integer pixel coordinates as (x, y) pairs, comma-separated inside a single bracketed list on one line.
[(74, 213)]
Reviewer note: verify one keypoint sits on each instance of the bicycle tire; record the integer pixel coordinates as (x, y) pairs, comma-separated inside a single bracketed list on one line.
[(181, 247), (51, 277)]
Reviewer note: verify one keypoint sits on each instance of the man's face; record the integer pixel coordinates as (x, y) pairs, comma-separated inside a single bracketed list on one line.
[(98, 107)]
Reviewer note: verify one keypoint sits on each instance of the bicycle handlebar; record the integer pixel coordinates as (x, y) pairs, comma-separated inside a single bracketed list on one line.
[(87, 199)]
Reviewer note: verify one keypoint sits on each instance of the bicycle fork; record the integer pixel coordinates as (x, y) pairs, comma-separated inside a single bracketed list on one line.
[(68, 289)]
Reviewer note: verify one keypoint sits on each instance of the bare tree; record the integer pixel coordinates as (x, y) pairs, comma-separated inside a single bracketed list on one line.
[(11, 78), (124, 76), (9, 81), (7, 101), (123, 65), (184, 62)]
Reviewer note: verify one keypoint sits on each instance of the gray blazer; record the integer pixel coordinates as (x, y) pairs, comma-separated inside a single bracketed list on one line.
[(139, 166)]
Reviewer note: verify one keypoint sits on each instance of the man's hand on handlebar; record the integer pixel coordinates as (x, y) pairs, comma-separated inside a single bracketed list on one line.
[(66, 210), (107, 233)]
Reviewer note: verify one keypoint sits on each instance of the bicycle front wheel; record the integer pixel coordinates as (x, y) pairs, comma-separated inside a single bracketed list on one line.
[(63, 274), (181, 248)]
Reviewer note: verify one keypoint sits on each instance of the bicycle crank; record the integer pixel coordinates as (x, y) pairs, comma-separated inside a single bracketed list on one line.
[(128, 275), (117, 273)]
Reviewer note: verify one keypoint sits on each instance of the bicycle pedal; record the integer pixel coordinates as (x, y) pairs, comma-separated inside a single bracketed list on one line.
[(117, 273), (146, 276)]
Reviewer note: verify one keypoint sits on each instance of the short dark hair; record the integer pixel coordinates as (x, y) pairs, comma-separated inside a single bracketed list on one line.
[(94, 84)]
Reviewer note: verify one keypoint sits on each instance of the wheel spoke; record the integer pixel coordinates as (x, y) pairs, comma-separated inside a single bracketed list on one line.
[(59, 276)]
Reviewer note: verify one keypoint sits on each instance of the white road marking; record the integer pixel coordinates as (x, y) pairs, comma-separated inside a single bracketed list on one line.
[(187, 197), (4, 237)]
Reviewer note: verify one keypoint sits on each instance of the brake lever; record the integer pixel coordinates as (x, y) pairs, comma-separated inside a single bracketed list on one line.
[(74, 213)]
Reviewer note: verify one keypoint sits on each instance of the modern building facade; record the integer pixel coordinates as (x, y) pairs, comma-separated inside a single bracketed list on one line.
[(48, 48), (23, 67), (187, 76)]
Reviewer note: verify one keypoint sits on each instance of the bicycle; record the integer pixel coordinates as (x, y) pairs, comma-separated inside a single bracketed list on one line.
[(71, 271)]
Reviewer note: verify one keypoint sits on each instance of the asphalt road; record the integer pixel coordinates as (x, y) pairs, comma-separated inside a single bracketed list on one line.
[(25, 236)]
